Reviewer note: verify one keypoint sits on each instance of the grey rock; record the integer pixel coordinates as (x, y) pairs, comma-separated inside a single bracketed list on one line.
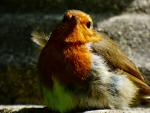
[(139, 6), (16, 47), (19, 82), (59, 6), (53, 6), (132, 32), (20, 85), (17, 108)]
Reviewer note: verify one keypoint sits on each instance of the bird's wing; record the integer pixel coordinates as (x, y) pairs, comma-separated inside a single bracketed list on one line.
[(120, 62), (115, 57), (40, 38), (144, 89)]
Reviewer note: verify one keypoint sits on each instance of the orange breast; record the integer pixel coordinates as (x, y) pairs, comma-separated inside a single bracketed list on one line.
[(79, 59), (70, 65)]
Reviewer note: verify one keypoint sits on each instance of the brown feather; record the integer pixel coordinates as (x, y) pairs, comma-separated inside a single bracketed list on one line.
[(143, 96), (39, 38), (115, 57)]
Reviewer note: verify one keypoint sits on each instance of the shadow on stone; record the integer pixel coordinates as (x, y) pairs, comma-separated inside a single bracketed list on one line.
[(53, 6), (36, 110)]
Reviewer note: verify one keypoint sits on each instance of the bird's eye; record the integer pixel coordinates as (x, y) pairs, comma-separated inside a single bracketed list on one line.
[(65, 19), (88, 24)]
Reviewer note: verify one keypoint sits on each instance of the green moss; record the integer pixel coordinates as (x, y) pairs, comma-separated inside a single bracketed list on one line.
[(59, 98)]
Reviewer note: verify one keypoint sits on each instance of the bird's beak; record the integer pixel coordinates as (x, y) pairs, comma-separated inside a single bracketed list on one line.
[(82, 34), (91, 35)]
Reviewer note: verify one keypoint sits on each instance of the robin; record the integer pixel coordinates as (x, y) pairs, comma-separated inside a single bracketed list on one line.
[(81, 68)]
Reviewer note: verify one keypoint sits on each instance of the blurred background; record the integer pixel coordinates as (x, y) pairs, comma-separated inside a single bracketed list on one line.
[(126, 21)]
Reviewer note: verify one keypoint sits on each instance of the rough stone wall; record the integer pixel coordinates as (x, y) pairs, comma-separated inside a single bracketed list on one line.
[(126, 21)]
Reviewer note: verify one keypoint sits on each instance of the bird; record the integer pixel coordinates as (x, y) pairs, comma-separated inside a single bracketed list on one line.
[(82, 68)]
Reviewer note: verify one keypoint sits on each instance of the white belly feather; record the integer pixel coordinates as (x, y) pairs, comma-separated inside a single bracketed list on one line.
[(109, 90)]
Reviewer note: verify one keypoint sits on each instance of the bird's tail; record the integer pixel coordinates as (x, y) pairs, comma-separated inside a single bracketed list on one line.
[(145, 96), (144, 91), (39, 38)]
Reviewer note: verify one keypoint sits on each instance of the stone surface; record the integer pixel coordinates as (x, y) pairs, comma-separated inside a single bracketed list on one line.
[(53, 6), (15, 37), (19, 82), (95, 6), (19, 86), (42, 109), (132, 31), (17, 108), (59, 6), (135, 110), (139, 6)]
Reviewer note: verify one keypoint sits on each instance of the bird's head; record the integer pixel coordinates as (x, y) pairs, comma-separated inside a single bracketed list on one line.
[(76, 28), (67, 47), (78, 17)]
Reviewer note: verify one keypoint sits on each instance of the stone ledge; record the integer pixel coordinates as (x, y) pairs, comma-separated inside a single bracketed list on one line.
[(134, 110), (42, 109), (17, 108)]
